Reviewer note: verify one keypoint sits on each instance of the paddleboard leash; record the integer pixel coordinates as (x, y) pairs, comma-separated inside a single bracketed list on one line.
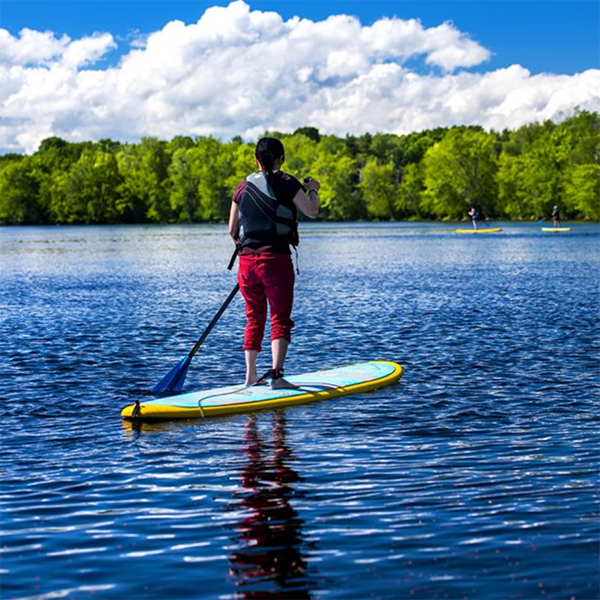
[(137, 409)]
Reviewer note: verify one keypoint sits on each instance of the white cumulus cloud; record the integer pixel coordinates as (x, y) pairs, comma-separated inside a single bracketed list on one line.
[(238, 71)]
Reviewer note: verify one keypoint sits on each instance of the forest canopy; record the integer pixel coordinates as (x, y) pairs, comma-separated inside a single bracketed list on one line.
[(433, 174)]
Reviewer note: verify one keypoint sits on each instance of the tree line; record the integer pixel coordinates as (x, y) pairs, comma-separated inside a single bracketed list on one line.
[(433, 174)]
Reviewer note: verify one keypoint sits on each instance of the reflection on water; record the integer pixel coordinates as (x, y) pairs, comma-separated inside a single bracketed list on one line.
[(268, 562)]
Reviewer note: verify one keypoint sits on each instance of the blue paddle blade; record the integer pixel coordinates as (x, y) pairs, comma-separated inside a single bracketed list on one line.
[(173, 381)]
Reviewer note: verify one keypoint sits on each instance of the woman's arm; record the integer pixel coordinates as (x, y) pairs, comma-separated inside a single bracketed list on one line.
[(234, 222), (308, 202)]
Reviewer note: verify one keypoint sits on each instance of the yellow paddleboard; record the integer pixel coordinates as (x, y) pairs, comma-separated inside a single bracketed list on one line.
[(487, 230), (556, 229), (320, 385)]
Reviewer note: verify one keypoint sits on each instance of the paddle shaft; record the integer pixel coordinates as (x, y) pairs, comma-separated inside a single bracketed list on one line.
[(221, 310), (174, 379)]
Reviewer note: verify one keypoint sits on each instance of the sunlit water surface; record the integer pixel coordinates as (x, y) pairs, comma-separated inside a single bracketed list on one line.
[(475, 477)]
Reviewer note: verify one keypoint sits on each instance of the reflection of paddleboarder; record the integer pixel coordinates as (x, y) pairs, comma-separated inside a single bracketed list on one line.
[(556, 217), (474, 216), (270, 535)]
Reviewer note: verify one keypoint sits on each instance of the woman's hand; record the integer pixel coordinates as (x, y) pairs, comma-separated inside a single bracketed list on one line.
[(311, 184), (308, 201)]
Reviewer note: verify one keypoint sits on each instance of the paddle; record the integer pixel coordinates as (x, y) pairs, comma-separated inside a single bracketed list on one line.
[(173, 381)]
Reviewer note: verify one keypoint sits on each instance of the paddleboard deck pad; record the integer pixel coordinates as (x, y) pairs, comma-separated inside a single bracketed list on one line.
[(488, 230), (320, 385)]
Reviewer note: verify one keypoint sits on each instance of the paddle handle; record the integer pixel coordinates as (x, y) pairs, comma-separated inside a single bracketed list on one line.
[(233, 257)]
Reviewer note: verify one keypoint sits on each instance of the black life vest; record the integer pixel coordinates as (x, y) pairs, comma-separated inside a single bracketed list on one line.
[(264, 220)]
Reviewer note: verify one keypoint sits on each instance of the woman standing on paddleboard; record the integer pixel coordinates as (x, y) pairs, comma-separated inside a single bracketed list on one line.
[(556, 217), (474, 216), (263, 225)]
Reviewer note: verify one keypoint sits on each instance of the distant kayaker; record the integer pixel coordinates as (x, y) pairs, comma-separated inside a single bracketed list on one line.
[(263, 225), (556, 217), (474, 216)]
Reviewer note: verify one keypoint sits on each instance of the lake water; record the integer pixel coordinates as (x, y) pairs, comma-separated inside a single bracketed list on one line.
[(475, 477)]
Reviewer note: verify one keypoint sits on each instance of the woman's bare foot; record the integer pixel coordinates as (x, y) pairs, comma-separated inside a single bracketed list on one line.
[(280, 383)]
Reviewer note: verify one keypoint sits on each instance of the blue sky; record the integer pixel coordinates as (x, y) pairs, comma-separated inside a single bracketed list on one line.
[(543, 36), (87, 70)]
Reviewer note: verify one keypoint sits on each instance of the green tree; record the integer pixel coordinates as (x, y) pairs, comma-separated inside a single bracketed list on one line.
[(241, 156), (529, 182), (459, 173), (19, 189), (335, 169), (91, 189), (410, 192), (301, 153), (178, 142), (311, 133), (11, 157), (379, 189), (213, 165), (387, 147), (358, 145), (415, 145), (511, 188), (52, 160), (579, 137), (144, 193), (202, 178), (577, 142), (185, 177), (582, 190)]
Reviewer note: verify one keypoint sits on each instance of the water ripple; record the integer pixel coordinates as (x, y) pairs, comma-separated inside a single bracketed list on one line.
[(476, 476)]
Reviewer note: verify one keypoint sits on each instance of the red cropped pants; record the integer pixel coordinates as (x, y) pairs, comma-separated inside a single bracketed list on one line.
[(266, 278)]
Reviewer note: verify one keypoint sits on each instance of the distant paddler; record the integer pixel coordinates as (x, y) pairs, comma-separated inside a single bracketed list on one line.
[(474, 216), (556, 228), (556, 217)]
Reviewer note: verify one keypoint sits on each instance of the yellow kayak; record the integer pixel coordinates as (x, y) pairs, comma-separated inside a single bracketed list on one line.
[(319, 385)]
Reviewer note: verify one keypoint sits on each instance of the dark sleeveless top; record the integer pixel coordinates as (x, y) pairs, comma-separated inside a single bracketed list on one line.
[(268, 215)]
